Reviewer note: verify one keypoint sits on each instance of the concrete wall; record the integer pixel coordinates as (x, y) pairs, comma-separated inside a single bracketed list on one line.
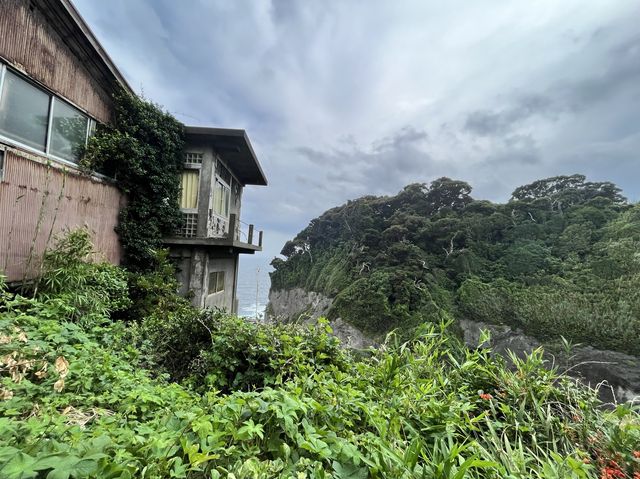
[(223, 299), (194, 264), (210, 225)]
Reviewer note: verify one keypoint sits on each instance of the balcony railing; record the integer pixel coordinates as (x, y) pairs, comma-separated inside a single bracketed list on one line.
[(230, 230), (242, 232)]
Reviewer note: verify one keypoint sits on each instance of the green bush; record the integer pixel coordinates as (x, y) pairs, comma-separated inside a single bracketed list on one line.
[(207, 349), (93, 289), (75, 403), (80, 399), (387, 300)]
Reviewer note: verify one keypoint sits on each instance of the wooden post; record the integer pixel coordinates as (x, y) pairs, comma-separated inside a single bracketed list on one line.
[(260, 239), (231, 234), (250, 235)]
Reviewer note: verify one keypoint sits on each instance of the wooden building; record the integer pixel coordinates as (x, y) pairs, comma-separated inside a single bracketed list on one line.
[(56, 84)]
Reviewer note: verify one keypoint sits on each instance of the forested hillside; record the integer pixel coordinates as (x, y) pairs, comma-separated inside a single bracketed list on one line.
[(560, 258)]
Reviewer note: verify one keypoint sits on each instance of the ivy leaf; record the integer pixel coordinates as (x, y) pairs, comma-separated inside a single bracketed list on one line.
[(21, 466), (349, 471)]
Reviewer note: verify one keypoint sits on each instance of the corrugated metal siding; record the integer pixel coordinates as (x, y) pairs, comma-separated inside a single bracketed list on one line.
[(38, 202), (190, 183), (30, 43)]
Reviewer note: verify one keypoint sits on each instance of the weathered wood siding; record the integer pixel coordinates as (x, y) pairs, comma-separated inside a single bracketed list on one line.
[(30, 43), (39, 201)]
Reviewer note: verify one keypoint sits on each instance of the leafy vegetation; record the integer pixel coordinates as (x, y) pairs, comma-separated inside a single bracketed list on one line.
[(561, 258), (83, 396), (143, 150)]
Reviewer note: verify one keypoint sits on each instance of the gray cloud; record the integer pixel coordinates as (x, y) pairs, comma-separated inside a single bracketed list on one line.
[(346, 98), (489, 123)]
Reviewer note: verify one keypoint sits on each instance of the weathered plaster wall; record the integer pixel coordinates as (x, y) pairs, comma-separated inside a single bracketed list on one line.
[(193, 266), (223, 299)]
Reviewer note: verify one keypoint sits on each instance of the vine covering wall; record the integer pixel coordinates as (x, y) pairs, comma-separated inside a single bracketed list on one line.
[(142, 149)]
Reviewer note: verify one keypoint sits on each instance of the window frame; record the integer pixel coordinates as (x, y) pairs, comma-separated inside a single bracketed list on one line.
[(4, 68), (188, 155), (54, 101), (215, 276), (226, 188)]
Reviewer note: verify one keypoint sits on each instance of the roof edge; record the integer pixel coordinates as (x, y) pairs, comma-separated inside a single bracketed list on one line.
[(95, 43), (234, 133)]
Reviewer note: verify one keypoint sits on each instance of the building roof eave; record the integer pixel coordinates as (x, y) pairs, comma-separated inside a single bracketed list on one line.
[(69, 18), (234, 147)]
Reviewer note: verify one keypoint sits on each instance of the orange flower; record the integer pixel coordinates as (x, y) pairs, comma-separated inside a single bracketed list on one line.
[(486, 396), (636, 454), (612, 471)]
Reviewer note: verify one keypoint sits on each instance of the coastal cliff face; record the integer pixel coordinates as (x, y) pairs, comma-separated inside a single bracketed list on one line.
[(617, 375), (299, 305)]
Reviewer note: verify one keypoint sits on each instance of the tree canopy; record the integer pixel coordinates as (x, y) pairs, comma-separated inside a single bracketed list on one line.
[(561, 257)]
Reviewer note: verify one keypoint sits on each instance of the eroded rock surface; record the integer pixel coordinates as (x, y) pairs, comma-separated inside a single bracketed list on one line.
[(298, 305), (617, 375)]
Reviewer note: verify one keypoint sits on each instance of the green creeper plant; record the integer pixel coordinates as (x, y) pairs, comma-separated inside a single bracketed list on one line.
[(142, 149)]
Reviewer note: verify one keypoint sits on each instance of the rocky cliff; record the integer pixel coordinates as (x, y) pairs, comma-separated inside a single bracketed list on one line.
[(299, 305), (617, 375)]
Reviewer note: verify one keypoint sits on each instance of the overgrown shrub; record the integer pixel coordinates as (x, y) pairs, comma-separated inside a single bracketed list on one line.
[(388, 300), (208, 349), (154, 291), (279, 401), (74, 404), (607, 319), (143, 150), (74, 273)]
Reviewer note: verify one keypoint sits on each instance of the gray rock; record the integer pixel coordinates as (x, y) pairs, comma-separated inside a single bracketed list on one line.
[(615, 375), (300, 306)]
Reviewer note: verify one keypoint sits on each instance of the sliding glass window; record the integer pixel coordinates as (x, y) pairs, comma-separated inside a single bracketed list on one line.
[(24, 112), (32, 117), (68, 131)]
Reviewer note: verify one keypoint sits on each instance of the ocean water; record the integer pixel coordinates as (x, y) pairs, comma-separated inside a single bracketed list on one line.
[(253, 287)]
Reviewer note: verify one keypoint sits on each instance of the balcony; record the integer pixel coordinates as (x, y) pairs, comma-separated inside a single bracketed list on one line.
[(238, 236)]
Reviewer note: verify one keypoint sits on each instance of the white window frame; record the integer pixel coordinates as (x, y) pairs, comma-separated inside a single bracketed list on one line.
[(228, 187), (189, 164), (224, 183), (191, 167), (52, 99)]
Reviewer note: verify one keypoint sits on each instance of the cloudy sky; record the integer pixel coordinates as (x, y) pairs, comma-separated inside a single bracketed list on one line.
[(343, 98)]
